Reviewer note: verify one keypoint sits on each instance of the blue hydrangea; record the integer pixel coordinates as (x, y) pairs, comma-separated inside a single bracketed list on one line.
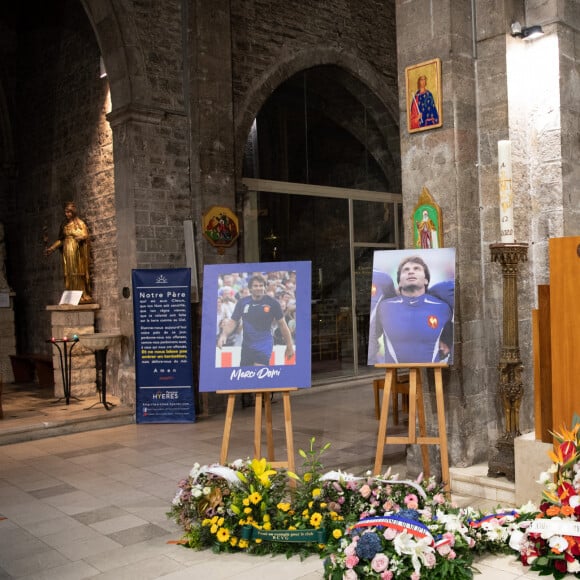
[(409, 514), (368, 546)]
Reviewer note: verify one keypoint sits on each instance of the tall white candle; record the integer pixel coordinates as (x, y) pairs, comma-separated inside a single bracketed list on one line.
[(506, 198)]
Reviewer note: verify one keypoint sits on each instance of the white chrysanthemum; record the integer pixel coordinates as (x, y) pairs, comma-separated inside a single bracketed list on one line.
[(559, 543), (553, 468), (573, 567), (238, 463), (196, 492)]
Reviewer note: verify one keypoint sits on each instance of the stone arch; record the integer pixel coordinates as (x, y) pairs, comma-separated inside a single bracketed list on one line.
[(382, 98), (127, 82)]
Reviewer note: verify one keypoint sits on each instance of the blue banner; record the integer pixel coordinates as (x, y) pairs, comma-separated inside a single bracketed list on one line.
[(163, 352)]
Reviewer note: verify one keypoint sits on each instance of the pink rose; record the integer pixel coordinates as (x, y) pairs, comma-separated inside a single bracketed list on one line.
[(452, 555), (415, 576), (390, 534), (349, 575), (379, 562), (412, 501), (365, 491), (439, 498), (430, 560), (444, 549), (351, 561), (387, 575)]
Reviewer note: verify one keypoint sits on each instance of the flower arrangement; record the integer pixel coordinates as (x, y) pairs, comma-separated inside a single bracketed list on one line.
[(548, 540), (379, 527), (364, 527), (416, 535)]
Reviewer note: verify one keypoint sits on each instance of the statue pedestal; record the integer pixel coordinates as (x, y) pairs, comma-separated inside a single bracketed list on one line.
[(67, 320)]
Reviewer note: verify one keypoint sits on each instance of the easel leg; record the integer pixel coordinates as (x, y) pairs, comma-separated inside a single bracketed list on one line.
[(289, 433), (227, 429), (422, 423), (442, 430), (269, 432), (383, 422), (258, 426)]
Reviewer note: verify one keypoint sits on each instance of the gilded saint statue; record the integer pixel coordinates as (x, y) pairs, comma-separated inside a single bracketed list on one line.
[(73, 242)]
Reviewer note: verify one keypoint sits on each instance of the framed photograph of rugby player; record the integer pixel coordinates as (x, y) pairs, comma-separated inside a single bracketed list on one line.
[(255, 331), (412, 306), (424, 98)]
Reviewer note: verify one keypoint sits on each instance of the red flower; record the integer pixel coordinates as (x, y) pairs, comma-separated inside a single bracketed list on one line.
[(561, 565), (568, 450), (565, 492)]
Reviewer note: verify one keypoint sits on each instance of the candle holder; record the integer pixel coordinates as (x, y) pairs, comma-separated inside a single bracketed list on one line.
[(65, 355), (510, 366)]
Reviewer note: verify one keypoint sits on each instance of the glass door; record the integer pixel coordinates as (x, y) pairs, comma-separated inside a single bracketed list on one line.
[(338, 234)]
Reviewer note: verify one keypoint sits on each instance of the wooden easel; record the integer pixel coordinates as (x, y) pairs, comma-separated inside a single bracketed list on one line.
[(263, 397), (415, 397)]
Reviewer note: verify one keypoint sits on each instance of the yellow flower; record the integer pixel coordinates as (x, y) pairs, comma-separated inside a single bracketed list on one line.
[(283, 506), (291, 527), (336, 534), (255, 498), (233, 541), (316, 492), (243, 543), (223, 535), (206, 522), (307, 477), (266, 517), (258, 540), (267, 526), (262, 470), (246, 501), (213, 529), (315, 519), (323, 504), (248, 510), (220, 522)]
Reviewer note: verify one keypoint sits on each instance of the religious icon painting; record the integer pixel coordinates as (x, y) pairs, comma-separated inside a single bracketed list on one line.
[(424, 97), (256, 326), (427, 223), (412, 307)]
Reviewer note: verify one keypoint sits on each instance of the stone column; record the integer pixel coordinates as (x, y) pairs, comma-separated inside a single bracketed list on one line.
[(7, 336), (67, 320)]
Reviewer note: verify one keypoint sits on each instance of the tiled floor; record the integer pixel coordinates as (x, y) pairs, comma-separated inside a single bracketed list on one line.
[(92, 504)]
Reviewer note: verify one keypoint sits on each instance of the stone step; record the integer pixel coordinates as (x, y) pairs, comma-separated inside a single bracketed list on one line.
[(473, 482)]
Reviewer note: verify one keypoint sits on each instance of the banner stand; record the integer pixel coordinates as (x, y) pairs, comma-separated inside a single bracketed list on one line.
[(415, 400), (263, 399)]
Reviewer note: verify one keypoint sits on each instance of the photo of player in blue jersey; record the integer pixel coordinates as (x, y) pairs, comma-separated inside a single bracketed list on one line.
[(257, 314), (412, 320)]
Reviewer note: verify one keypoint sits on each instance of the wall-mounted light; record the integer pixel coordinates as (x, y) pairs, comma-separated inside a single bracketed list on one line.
[(102, 69), (526, 32)]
